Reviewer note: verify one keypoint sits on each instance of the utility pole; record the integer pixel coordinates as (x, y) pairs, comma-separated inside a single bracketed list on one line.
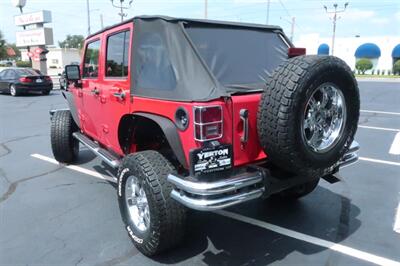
[(101, 21), (122, 7), (334, 19), (268, 4), (205, 9), (88, 16), (292, 29)]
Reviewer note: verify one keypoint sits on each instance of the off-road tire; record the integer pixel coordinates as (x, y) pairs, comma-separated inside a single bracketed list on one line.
[(167, 217), (282, 106), (65, 147), (14, 91)]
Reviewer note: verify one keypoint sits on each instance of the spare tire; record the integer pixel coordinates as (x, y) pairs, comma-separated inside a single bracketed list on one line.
[(308, 114)]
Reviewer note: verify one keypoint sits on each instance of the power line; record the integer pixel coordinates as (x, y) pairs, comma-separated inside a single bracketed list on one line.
[(335, 18)]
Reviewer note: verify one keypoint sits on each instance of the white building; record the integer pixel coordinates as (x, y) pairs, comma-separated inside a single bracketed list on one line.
[(345, 47), (57, 58)]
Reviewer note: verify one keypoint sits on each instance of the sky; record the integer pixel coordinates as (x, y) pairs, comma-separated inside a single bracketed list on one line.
[(362, 17)]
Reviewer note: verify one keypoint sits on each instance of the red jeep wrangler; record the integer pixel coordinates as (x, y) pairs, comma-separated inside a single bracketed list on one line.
[(204, 115)]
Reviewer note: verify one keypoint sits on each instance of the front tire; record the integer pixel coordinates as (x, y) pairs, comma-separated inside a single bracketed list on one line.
[(65, 147), (154, 221)]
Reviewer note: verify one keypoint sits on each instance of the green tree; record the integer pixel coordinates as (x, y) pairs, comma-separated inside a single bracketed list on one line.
[(396, 67), (72, 41), (363, 65), (3, 50)]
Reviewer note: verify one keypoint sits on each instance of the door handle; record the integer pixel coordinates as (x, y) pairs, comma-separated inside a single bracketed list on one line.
[(244, 116), (120, 95), (95, 91)]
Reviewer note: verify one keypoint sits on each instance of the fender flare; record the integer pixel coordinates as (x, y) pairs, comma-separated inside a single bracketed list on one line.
[(171, 133)]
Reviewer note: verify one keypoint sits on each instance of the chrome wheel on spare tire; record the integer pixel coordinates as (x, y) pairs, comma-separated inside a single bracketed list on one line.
[(324, 118), (137, 204)]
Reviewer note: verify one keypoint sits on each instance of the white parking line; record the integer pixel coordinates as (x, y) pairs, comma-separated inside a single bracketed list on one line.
[(280, 230), (378, 161), (365, 256), (380, 128), (75, 168), (396, 225), (379, 112), (395, 147)]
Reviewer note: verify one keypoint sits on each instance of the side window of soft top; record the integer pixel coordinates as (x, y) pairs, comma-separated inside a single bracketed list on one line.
[(91, 60)]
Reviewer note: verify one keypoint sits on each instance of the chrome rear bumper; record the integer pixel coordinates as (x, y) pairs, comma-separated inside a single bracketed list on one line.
[(235, 189)]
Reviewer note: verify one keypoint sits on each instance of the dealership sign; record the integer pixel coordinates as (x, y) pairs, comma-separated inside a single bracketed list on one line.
[(35, 37), (40, 17)]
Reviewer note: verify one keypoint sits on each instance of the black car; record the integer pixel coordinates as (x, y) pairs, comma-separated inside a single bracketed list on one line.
[(20, 80)]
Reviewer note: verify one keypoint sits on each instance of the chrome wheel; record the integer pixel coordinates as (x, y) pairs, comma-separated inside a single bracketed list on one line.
[(137, 204), (324, 118)]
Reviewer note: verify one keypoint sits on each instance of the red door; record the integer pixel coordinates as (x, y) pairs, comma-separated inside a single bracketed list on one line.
[(115, 92), (91, 87)]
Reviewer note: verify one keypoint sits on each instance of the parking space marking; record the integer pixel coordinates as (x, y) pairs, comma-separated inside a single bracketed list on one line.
[(75, 168), (396, 225), (380, 128), (362, 255), (378, 161), (395, 147), (379, 112), (280, 230)]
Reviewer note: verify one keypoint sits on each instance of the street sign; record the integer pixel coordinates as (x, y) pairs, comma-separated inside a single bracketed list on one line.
[(34, 37), (40, 17)]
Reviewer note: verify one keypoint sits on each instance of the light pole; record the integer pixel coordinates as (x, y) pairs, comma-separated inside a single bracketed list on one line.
[(335, 18), (122, 7), (205, 9), (88, 16), (268, 4), (292, 23), (20, 4)]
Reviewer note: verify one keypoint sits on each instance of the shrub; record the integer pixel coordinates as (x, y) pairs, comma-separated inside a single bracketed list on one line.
[(363, 65), (52, 66), (24, 64), (373, 71), (383, 72), (378, 72), (389, 72), (396, 68)]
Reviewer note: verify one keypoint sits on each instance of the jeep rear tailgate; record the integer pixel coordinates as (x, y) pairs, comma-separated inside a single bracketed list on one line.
[(250, 151)]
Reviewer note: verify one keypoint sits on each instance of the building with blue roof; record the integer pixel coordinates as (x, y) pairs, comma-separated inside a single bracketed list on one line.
[(370, 51), (323, 49)]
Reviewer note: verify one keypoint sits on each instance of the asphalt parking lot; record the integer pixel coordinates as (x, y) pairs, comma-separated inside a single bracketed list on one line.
[(68, 215)]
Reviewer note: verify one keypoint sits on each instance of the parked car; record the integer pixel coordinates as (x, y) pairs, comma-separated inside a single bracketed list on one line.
[(22, 80), (62, 81), (204, 115)]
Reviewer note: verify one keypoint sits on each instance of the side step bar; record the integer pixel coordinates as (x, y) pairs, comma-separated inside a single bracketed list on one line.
[(105, 155)]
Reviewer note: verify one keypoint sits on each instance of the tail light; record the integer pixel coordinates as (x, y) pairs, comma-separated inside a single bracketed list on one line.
[(25, 80), (47, 78), (208, 123), (293, 51)]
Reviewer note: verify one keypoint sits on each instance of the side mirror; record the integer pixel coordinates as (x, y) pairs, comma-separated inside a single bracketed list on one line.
[(72, 73)]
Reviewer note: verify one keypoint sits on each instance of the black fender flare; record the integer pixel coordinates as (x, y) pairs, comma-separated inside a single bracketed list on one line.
[(171, 133)]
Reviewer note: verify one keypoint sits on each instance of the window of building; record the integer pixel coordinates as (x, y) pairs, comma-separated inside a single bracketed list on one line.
[(117, 54), (54, 61), (91, 61)]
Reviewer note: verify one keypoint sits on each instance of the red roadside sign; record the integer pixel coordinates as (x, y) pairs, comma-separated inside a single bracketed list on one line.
[(36, 58), (30, 54), (38, 50)]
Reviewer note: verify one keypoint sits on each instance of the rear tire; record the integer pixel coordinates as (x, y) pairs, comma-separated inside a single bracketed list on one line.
[(13, 90), (65, 147), (285, 106), (164, 226)]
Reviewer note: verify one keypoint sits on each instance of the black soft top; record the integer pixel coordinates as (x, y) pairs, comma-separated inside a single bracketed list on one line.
[(201, 60)]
